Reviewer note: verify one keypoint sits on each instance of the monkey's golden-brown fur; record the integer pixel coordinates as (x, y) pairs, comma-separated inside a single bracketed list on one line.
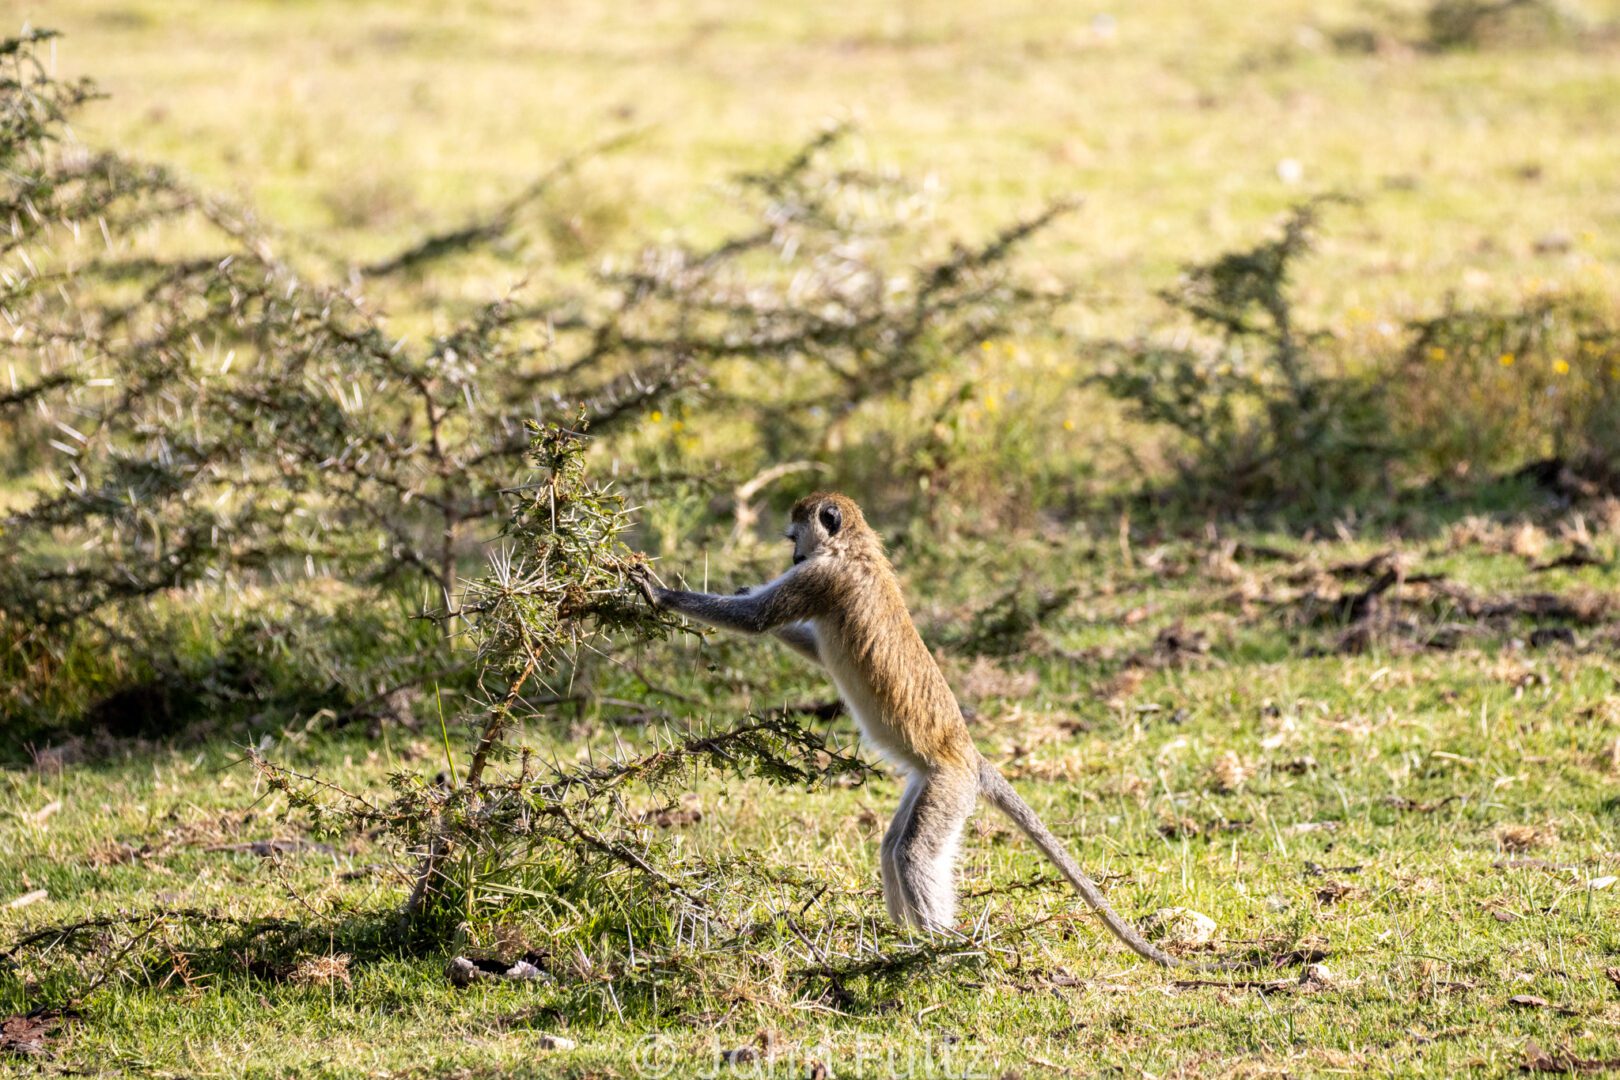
[(841, 605), (866, 611)]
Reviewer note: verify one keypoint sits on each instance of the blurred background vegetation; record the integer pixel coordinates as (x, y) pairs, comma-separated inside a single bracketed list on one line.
[(1282, 264), (1474, 137), (1478, 154)]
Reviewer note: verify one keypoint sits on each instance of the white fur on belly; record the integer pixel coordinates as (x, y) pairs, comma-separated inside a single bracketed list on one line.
[(863, 704)]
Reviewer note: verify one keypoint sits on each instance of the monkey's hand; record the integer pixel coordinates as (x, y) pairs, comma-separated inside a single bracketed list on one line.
[(642, 579)]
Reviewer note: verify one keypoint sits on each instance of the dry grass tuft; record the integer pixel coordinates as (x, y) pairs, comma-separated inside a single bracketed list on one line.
[(986, 679), (321, 971), (1229, 773), (1517, 839), (1521, 538)]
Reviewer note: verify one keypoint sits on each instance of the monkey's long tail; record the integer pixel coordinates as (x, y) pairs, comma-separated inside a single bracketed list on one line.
[(1000, 794)]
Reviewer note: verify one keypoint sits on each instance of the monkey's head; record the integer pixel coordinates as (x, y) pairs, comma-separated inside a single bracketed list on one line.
[(826, 522)]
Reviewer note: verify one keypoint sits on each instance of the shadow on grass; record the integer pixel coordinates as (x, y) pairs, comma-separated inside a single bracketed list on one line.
[(157, 714), (267, 675), (1422, 513), (179, 948), (110, 706)]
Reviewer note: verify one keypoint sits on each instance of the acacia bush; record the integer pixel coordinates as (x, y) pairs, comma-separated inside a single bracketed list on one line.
[(1442, 26), (506, 838), (192, 414), (562, 865)]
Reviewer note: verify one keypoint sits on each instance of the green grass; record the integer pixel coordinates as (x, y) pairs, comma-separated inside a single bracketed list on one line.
[(1391, 774)]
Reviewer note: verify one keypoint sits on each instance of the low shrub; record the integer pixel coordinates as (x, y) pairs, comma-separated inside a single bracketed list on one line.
[(1472, 24), (1265, 414), (1484, 390)]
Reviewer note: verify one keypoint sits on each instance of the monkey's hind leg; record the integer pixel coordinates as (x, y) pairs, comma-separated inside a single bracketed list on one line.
[(901, 908), (920, 848)]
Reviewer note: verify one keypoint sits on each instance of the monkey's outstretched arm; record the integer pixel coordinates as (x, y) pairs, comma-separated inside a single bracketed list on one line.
[(798, 636), (774, 606)]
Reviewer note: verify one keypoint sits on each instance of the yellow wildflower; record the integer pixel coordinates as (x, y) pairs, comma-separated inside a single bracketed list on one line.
[(657, 417), (1436, 353), (1068, 425), (1506, 359), (1561, 366)]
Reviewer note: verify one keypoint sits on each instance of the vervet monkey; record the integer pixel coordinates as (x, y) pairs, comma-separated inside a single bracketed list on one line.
[(840, 605)]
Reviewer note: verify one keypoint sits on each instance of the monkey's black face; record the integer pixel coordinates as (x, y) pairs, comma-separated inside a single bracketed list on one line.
[(803, 539)]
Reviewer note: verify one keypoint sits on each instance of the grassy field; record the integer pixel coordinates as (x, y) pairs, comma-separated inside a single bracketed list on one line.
[(1437, 825), (1414, 791)]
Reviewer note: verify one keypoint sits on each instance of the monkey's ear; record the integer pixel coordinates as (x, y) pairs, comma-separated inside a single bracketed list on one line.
[(832, 519)]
